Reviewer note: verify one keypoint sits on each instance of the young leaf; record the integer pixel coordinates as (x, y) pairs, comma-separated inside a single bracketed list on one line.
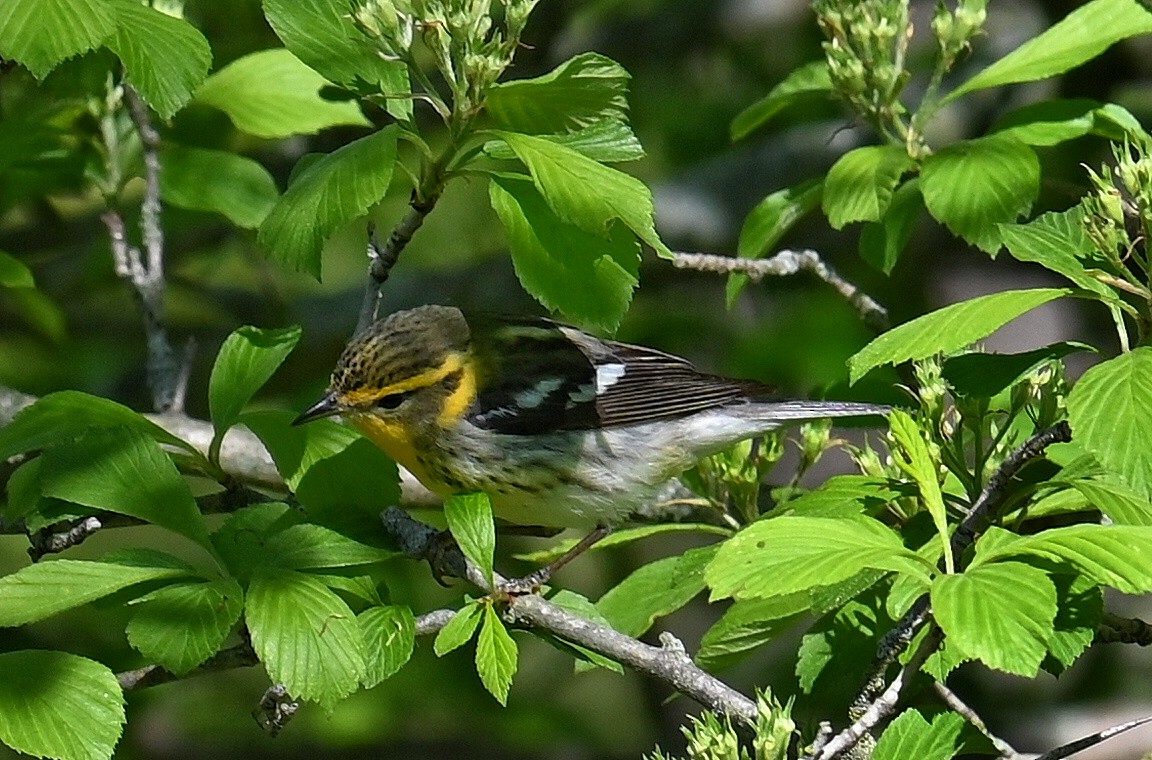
[(1081, 36), (586, 277), (313, 547), (306, 636), (331, 192), (809, 81), (910, 735), (247, 359), (1118, 501), (216, 180), (42, 590), (581, 91), (469, 517), (389, 637), (459, 629), (981, 375), (1000, 614), (272, 94), (607, 141), (973, 185), (41, 33), (584, 193), (654, 590), (882, 242), (1108, 409), (915, 459), (581, 607), (788, 554), (496, 656), (182, 625), (845, 496), (1059, 242), (59, 705), (748, 625), (124, 471), (1049, 122), (860, 184), (165, 57), (13, 273), (949, 329)]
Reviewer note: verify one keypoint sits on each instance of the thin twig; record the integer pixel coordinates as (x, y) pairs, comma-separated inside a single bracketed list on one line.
[(381, 260), (785, 263), (45, 542), (1007, 752), (239, 656), (1092, 740), (669, 662)]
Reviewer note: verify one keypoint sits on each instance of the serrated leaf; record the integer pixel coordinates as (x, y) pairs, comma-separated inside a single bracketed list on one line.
[(832, 654), (770, 221), (844, 496), (1080, 608), (496, 656), (389, 637), (469, 519), (949, 329), (860, 184), (306, 636), (297, 448), (584, 193), (1079, 37), (808, 81), (124, 471), (1118, 501), (247, 359), (13, 273), (350, 488), (241, 542), (459, 629), (39, 591), (60, 705), (312, 547), (165, 57), (788, 554), (1057, 241), (982, 375), (586, 277), (182, 625), (748, 625), (328, 194), (606, 141), (41, 33), (974, 185), (1049, 122), (1000, 614), (66, 415), (215, 180), (272, 94), (583, 90), (1108, 409), (882, 242), (655, 590), (910, 735), (621, 537), (915, 459)]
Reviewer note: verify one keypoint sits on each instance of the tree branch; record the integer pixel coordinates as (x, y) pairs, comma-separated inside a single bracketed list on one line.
[(239, 656), (1007, 752), (381, 261), (1092, 740)]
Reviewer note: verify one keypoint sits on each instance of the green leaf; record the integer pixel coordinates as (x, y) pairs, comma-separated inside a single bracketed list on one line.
[(311, 547), (606, 141), (124, 471), (66, 415), (860, 184), (846, 495), (788, 554), (350, 488), (748, 625), (469, 517), (981, 375), (389, 638), (1081, 36), (949, 329), (910, 735), (584, 193), (586, 277), (42, 590), (1119, 556), (297, 448), (306, 636), (328, 194), (41, 33), (247, 359), (60, 705), (1118, 501), (881, 243), (1080, 608), (1000, 614), (808, 81), (459, 629), (321, 33), (581, 607), (165, 57), (496, 656), (1108, 409), (771, 220), (1059, 242), (973, 185), (215, 180), (1050, 122), (655, 590), (914, 458), (13, 273), (241, 541), (272, 94), (832, 654), (182, 625), (621, 537), (583, 90)]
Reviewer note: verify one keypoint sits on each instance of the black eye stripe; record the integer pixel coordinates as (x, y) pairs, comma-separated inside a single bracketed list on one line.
[(392, 400)]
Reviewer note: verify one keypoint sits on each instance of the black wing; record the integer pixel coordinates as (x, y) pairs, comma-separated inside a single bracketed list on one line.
[(544, 377)]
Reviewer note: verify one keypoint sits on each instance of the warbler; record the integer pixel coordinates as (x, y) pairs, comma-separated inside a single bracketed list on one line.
[(560, 428)]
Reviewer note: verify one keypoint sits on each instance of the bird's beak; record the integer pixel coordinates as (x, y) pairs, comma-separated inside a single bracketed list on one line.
[(325, 407)]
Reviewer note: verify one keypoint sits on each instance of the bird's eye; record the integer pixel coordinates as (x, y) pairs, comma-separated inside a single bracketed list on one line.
[(392, 400)]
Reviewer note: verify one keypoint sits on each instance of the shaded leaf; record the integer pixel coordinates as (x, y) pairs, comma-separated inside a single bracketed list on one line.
[(182, 625), (245, 362), (41, 33), (215, 180), (583, 90)]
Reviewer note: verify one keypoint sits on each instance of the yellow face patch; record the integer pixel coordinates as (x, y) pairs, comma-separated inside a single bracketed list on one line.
[(366, 396), (394, 439), (460, 399)]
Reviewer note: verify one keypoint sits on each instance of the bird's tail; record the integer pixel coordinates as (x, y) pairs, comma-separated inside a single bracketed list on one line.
[(815, 410)]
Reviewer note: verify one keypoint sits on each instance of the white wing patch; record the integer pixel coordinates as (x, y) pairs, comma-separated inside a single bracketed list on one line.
[(608, 375)]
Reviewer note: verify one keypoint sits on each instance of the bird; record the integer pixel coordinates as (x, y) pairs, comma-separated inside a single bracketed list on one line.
[(560, 428)]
